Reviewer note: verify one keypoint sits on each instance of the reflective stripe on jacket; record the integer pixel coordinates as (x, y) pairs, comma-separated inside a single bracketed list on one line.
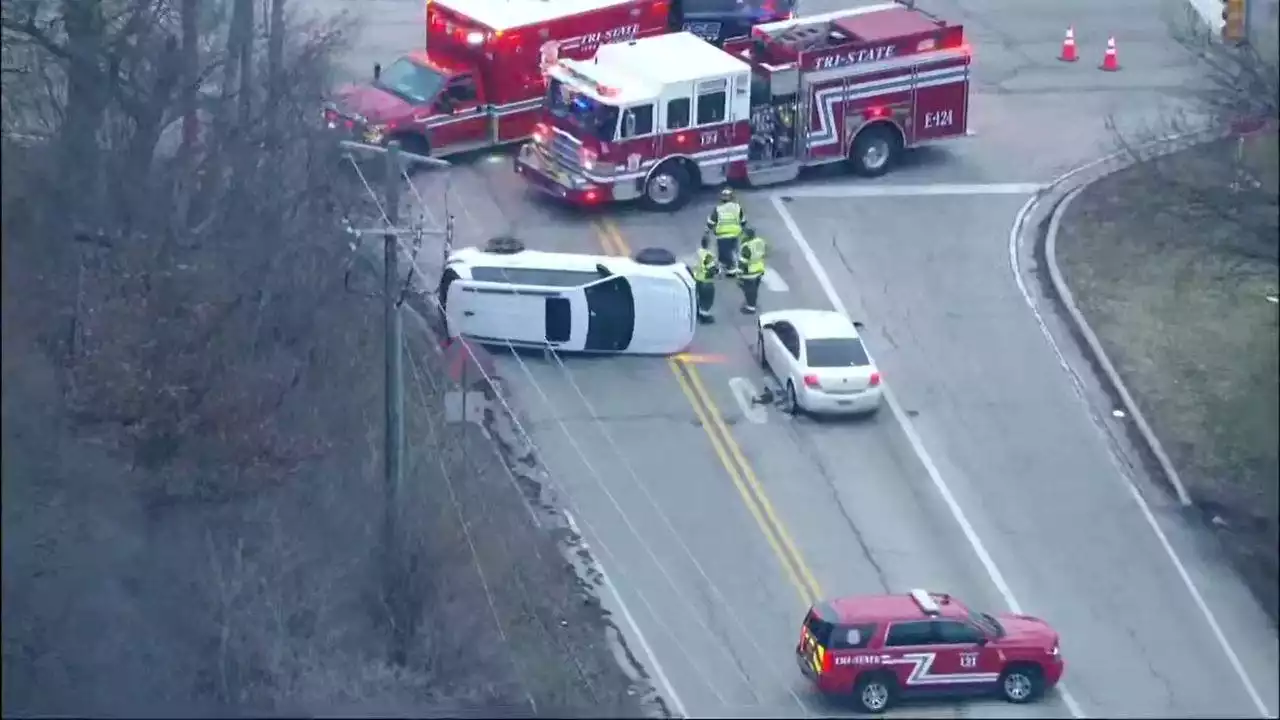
[(751, 257), (726, 221), (706, 264)]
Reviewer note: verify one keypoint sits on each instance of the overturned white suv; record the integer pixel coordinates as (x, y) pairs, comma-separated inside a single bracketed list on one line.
[(507, 295)]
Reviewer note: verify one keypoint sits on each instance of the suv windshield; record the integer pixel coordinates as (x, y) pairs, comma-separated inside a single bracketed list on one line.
[(583, 112), (411, 81), (836, 352)]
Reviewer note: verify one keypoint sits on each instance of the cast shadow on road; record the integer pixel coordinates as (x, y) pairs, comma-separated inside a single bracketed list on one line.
[(921, 158)]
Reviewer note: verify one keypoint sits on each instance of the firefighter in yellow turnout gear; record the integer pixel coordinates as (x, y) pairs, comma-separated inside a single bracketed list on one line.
[(704, 271), (751, 268), (726, 223)]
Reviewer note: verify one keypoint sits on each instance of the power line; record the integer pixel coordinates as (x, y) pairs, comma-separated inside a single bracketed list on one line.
[(393, 340)]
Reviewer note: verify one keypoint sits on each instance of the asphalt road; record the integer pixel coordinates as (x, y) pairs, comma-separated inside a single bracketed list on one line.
[(717, 529)]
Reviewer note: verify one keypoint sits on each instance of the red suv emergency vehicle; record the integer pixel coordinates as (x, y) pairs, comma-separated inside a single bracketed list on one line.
[(878, 648), (480, 81), (655, 118)]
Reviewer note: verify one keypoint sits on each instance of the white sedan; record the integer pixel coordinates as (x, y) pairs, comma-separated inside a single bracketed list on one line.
[(820, 361)]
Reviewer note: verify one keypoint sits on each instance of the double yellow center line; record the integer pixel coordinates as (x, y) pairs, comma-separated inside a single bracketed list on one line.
[(729, 452)]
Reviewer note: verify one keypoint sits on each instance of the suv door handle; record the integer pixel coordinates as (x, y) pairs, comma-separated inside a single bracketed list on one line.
[(468, 313)]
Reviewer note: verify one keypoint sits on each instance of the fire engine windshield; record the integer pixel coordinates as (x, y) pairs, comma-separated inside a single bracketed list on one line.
[(411, 81), (582, 111)]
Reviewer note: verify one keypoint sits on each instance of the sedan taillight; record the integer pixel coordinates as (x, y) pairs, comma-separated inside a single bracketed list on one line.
[(811, 381), (875, 379)]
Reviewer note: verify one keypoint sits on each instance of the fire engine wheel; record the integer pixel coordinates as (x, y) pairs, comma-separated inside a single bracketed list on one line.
[(875, 692), (667, 187), (1021, 683), (875, 150)]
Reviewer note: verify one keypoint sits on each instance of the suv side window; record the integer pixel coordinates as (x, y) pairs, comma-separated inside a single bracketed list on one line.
[(907, 634), (852, 637), (953, 632)]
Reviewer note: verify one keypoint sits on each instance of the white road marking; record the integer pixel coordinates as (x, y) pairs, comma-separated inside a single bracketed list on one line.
[(913, 437), (774, 282), (1197, 598), (867, 191), (743, 392), (661, 675)]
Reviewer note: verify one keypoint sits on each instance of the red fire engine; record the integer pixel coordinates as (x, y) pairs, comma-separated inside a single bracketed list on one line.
[(481, 80), (656, 118)]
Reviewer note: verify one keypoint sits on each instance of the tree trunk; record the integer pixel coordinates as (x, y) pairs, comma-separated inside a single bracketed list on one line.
[(190, 77), (244, 22), (87, 99), (275, 122)]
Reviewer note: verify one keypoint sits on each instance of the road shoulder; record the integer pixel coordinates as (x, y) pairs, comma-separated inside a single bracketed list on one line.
[(1191, 337)]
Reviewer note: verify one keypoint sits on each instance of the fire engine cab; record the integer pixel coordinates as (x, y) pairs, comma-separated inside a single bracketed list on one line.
[(655, 118), (481, 81)]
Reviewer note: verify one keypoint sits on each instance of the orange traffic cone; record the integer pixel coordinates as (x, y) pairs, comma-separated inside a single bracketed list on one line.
[(1069, 46), (1110, 62)]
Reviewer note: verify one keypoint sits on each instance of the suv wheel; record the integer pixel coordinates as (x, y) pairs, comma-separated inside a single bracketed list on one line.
[(1021, 683), (875, 693)]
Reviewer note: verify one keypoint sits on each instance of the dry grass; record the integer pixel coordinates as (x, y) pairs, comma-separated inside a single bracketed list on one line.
[(1190, 330)]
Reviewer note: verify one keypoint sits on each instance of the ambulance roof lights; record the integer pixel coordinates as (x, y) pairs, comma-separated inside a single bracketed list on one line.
[(926, 602), (475, 37)]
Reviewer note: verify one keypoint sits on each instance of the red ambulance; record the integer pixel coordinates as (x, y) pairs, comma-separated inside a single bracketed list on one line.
[(480, 81)]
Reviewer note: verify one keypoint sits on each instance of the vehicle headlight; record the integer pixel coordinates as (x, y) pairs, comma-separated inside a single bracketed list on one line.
[(1054, 651), (373, 134)]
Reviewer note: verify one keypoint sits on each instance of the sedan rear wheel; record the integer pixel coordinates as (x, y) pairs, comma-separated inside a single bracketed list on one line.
[(764, 362)]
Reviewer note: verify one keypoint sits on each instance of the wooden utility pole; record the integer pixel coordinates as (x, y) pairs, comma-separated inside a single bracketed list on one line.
[(393, 293), (393, 446)]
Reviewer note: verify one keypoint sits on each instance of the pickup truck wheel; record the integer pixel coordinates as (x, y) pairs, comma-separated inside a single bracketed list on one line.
[(667, 188), (875, 150), (1021, 683), (875, 692), (415, 144)]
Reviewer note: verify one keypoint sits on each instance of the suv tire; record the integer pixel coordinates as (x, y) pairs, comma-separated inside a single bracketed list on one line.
[(655, 256), (874, 692), (1021, 683)]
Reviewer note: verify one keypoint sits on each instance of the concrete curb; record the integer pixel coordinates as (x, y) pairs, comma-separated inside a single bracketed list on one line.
[(1080, 325)]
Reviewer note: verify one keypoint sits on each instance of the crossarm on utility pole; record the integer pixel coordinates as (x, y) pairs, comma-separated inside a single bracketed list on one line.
[(405, 156)]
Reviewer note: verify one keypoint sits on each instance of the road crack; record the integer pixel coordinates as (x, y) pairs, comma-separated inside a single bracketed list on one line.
[(829, 480)]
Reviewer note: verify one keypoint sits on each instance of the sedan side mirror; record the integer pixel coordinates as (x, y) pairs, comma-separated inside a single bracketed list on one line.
[(858, 325), (982, 642)]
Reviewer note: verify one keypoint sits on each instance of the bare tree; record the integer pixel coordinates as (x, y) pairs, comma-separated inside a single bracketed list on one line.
[(1236, 97)]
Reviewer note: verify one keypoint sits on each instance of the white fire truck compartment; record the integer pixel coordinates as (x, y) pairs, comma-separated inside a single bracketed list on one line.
[(672, 58), (510, 14), (648, 68)]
